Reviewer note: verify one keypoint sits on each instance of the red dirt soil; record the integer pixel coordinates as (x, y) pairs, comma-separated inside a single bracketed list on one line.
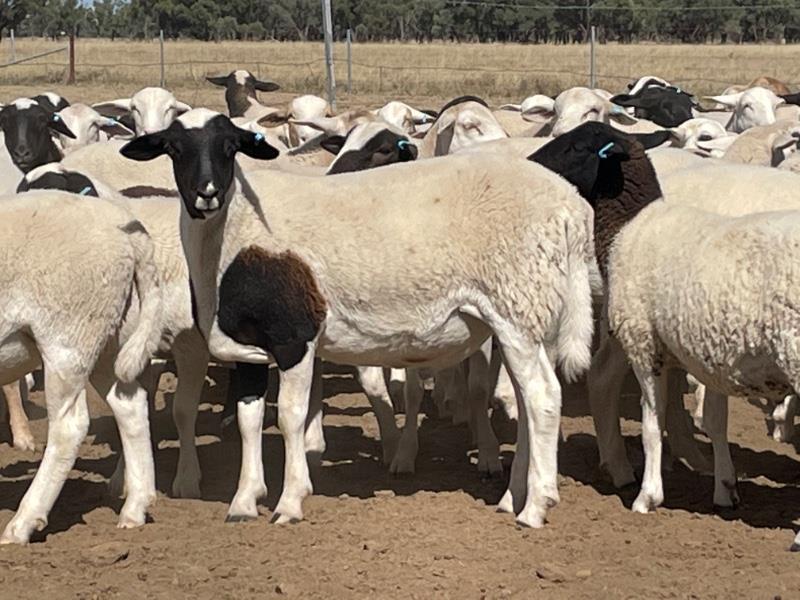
[(431, 535)]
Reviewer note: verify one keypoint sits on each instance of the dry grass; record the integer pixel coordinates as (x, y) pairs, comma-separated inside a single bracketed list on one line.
[(425, 74)]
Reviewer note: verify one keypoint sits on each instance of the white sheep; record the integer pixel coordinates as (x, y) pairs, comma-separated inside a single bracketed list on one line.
[(462, 122), (715, 297), (751, 107), (88, 126), (335, 293), (67, 315), (151, 109)]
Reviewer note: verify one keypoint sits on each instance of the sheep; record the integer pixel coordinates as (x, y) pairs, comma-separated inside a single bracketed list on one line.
[(21, 435), (240, 93), (149, 110), (671, 306), (717, 187), (335, 294), (579, 104), (703, 136), (88, 127), (367, 146), (524, 124), (665, 106), (764, 145), (299, 109), (462, 122), (751, 107), (27, 128), (69, 319)]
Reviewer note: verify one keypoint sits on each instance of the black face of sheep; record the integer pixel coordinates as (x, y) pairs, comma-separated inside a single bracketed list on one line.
[(68, 181), (203, 147), (28, 129), (665, 106), (384, 148)]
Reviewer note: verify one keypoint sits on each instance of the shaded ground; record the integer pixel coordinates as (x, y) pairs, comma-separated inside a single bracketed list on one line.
[(433, 535)]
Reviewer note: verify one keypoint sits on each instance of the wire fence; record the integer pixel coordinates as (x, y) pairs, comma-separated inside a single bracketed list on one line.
[(498, 72)]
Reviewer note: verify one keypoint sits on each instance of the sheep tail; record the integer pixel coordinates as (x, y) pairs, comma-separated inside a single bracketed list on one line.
[(576, 325), (134, 355)]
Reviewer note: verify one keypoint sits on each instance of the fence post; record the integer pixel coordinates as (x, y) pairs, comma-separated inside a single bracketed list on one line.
[(349, 61), (328, 29), (71, 74), (161, 44), (13, 47), (592, 72)]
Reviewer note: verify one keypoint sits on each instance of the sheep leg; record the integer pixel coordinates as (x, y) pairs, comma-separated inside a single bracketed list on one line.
[(17, 419), (504, 390), (397, 384), (783, 417), (478, 385), (442, 380), (679, 430), (699, 391), (513, 499), (408, 446), (653, 418), (456, 395), (68, 424), (250, 418), (293, 401), (315, 434), (191, 364), (374, 386), (605, 379), (538, 386), (715, 418)]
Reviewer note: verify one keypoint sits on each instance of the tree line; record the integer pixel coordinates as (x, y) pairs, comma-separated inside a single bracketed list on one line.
[(526, 21)]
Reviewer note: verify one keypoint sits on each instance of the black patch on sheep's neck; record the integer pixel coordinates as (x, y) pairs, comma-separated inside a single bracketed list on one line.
[(70, 181), (271, 301), (384, 148), (624, 187)]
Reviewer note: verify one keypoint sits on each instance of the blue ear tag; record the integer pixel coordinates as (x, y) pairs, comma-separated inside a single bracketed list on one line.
[(258, 138), (403, 144), (56, 117), (85, 191), (603, 152)]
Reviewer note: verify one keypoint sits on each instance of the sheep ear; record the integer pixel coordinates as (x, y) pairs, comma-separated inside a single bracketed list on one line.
[(182, 107), (113, 128), (146, 147), (266, 86), (720, 144), (274, 119), (678, 135), (791, 98), (333, 143), (113, 108), (626, 100), (514, 107), (220, 80), (620, 116), (728, 100), (256, 146), (538, 109), (57, 124)]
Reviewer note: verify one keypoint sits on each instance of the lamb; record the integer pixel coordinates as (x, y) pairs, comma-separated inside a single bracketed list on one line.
[(149, 110), (671, 306), (334, 295), (69, 320)]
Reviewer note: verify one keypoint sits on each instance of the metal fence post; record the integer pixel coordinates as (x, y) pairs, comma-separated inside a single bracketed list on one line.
[(328, 29), (349, 62), (592, 72), (13, 48), (161, 44), (71, 74)]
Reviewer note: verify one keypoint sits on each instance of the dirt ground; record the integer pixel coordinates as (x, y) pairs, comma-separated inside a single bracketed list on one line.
[(432, 535)]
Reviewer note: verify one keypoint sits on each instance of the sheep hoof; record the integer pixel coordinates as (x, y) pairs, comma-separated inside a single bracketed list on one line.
[(239, 518)]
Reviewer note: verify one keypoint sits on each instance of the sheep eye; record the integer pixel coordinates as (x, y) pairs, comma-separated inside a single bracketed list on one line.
[(705, 137)]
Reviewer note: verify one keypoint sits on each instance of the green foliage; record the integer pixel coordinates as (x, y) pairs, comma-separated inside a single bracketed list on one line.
[(560, 21)]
